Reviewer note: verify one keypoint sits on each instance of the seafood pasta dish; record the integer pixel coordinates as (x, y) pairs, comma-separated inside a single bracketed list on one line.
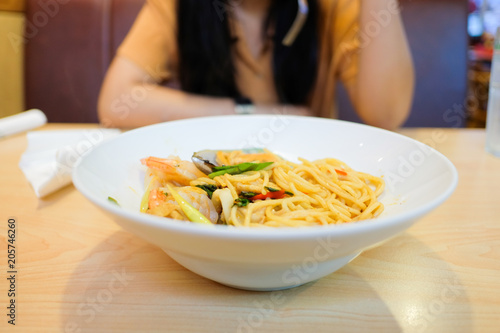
[(257, 188)]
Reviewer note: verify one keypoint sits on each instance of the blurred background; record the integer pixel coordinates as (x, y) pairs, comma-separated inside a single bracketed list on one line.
[(483, 22), (54, 53), (11, 59)]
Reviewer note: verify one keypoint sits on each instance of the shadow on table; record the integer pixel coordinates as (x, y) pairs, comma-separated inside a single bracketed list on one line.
[(55, 197), (126, 284)]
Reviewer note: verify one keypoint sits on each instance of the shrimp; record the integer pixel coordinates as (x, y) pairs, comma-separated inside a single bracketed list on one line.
[(163, 204), (172, 170)]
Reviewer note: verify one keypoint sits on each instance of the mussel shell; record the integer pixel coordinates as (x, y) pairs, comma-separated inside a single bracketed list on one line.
[(206, 160)]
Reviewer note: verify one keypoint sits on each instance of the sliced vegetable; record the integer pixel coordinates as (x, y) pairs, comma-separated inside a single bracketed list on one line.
[(341, 172), (241, 202), (145, 197), (192, 213), (270, 189), (247, 194), (280, 194), (227, 201), (113, 200), (247, 197), (238, 168), (209, 188)]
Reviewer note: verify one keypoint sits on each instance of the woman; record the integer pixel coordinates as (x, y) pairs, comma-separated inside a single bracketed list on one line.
[(193, 58)]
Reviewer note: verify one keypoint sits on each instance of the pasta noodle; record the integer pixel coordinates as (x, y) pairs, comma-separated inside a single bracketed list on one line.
[(281, 194)]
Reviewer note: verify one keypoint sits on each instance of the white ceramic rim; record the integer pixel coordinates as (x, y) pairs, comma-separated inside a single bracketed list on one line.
[(221, 231)]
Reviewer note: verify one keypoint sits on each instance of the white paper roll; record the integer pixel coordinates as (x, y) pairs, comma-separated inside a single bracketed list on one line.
[(21, 122)]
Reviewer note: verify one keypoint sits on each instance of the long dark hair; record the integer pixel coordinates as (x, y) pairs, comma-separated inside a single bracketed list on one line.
[(205, 63)]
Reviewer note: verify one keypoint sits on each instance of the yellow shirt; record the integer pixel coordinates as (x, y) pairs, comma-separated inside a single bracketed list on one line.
[(152, 45)]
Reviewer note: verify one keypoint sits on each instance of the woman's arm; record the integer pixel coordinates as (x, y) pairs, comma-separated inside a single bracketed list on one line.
[(130, 98), (383, 90)]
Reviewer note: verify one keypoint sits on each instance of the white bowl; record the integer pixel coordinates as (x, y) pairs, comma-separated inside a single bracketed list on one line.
[(418, 179)]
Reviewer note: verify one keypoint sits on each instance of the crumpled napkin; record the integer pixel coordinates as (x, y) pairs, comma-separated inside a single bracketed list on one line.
[(50, 156)]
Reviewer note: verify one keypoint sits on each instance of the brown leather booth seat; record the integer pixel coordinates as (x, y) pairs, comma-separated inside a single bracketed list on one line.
[(437, 33), (70, 43)]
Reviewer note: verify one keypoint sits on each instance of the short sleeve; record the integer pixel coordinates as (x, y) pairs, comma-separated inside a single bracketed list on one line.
[(151, 42)]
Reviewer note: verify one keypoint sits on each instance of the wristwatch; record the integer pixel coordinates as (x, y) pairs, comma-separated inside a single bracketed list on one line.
[(243, 105)]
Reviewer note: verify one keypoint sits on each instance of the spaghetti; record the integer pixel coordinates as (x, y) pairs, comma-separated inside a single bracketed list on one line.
[(280, 194)]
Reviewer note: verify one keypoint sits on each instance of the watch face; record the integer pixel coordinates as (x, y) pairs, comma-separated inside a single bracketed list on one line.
[(244, 109)]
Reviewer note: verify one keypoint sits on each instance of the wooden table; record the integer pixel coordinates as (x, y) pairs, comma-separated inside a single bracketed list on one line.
[(77, 271)]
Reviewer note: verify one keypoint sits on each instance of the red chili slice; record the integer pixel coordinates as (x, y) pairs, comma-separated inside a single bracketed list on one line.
[(273, 195), (340, 172)]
